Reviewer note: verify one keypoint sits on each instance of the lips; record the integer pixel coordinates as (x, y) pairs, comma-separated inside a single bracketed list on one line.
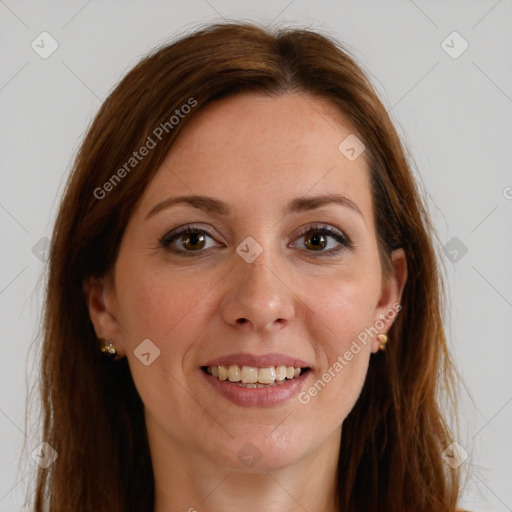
[(250, 380), (262, 361)]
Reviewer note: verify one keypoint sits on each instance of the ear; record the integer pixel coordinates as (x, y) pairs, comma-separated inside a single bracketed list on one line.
[(391, 294), (101, 303)]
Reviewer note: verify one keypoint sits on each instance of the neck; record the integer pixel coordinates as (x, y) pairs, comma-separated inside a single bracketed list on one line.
[(186, 480)]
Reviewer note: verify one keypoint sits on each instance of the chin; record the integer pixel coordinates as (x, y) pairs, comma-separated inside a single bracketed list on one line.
[(255, 452)]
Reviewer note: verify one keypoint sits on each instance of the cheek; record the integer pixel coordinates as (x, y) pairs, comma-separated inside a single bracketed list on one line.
[(340, 321), (155, 306), (170, 310), (342, 310), (338, 382)]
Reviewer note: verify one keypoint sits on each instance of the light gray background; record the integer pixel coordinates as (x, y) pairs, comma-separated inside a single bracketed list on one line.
[(454, 114)]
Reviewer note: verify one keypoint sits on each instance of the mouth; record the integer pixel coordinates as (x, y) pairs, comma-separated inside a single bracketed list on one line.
[(254, 377), (264, 380)]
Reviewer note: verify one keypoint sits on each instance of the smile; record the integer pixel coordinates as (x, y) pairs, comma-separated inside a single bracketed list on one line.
[(253, 386), (254, 377)]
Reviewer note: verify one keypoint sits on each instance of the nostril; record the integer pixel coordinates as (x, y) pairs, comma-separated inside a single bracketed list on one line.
[(242, 320)]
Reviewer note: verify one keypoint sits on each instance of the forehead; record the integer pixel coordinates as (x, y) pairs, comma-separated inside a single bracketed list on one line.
[(257, 151)]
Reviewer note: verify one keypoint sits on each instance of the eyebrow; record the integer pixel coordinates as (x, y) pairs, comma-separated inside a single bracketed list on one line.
[(211, 205)]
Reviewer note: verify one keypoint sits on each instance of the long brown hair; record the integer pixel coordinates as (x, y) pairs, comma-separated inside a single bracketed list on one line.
[(390, 456)]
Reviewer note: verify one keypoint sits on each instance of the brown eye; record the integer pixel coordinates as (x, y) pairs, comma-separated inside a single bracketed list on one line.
[(315, 241), (188, 241), (324, 240), (193, 241)]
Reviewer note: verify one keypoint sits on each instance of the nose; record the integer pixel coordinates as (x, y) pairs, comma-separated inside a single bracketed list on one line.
[(258, 297)]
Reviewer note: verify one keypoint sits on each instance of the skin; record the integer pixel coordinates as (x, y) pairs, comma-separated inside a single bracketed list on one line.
[(256, 154)]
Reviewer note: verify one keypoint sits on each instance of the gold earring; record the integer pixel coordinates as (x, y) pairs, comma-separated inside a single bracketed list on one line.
[(383, 339), (109, 349)]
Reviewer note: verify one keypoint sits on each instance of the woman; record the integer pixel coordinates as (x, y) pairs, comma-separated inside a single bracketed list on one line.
[(243, 305)]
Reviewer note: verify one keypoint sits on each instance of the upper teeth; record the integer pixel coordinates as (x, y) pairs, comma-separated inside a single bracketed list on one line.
[(252, 374)]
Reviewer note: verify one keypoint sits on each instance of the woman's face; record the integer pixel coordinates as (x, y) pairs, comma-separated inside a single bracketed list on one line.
[(279, 267)]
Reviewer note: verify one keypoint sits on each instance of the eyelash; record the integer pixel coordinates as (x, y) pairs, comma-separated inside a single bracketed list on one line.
[(323, 229)]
